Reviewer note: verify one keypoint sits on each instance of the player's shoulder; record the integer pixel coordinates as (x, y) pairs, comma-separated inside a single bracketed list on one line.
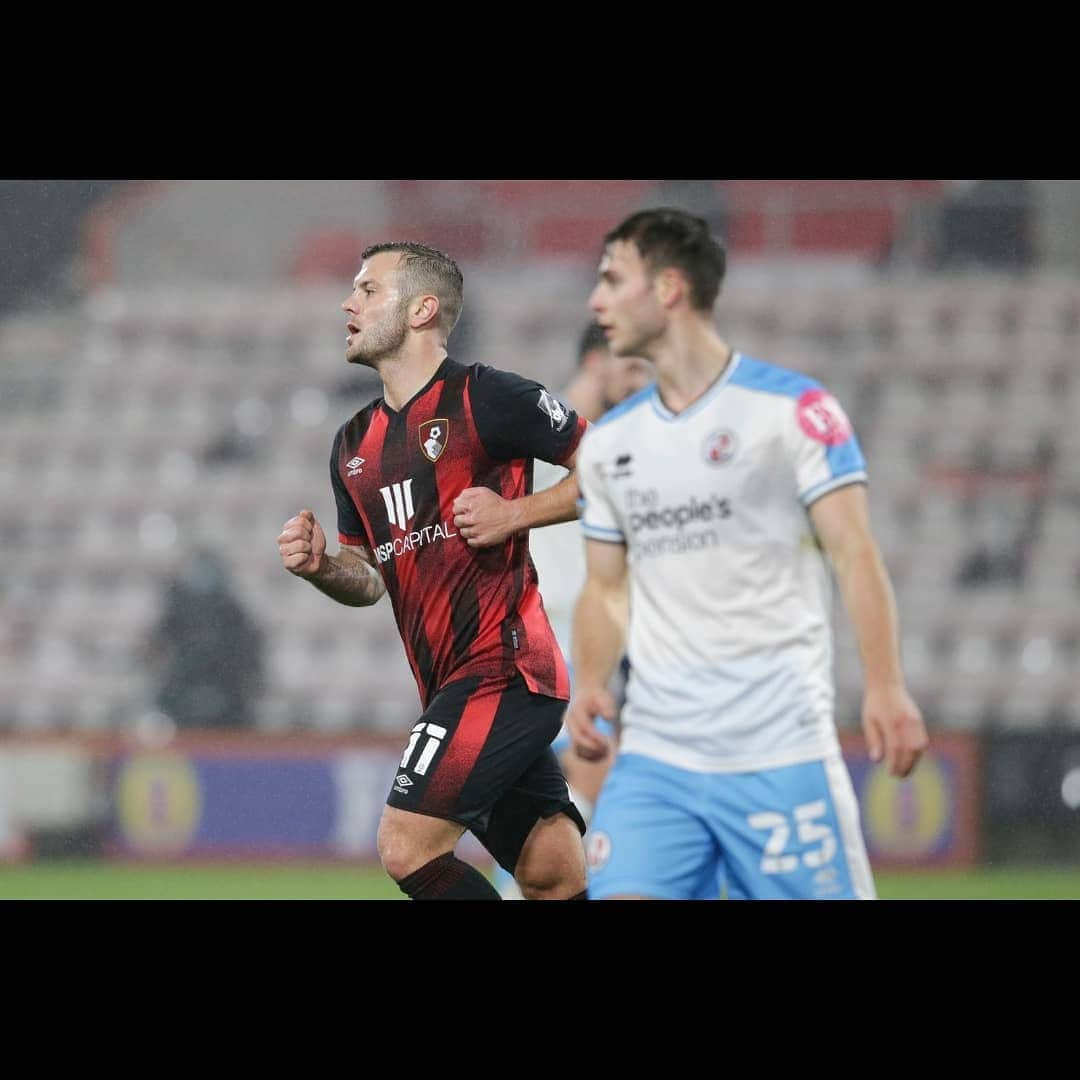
[(765, 377), (491, 379), (617, 419)]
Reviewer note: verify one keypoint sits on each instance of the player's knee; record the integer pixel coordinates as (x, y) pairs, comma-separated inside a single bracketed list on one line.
[(408, 841), (397, 851), (553, 886), (552, 863)]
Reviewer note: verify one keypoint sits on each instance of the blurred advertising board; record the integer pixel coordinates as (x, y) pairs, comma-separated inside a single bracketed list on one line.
[(244, 797), (929, 819)]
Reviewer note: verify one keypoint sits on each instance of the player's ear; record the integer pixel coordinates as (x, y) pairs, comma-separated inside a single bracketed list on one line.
[(670, 286), (423, 310)]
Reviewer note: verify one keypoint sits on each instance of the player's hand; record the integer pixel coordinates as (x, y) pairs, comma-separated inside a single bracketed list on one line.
[(894, 729), (483, 518), (589, 743), (302, 545)]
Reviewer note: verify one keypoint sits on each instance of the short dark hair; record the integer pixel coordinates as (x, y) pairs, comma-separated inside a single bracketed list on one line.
[(668, 237), (592, 338), (427, 270)]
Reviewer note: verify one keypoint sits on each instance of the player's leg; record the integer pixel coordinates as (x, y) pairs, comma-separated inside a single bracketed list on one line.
[(417, 851), (551, 865), (584, 778), (649, 839), (534, 830), (424, 816), (793, 833)]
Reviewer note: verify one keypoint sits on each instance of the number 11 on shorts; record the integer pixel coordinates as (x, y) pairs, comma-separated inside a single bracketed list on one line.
[(436, 734)]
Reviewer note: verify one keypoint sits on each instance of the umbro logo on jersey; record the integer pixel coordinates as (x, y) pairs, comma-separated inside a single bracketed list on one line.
[(354, 466), (404, 781), (556, 411), (433, 435)]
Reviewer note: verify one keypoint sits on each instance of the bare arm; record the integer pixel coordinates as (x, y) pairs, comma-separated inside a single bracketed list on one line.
[(484, 518), (601, 618), (350, 577), (891, 720)]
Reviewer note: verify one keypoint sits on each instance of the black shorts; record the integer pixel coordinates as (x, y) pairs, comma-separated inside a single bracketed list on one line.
[(481, 755)]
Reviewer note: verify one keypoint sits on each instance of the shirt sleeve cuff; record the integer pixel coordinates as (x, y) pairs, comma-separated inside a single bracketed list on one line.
[(815, 493)]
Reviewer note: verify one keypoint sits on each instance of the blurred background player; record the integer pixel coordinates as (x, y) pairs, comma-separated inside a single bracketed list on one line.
[(600, 382), (714, 497), (206, 650)]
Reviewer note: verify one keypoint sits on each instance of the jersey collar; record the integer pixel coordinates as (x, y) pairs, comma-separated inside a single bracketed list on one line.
[(702, 402)]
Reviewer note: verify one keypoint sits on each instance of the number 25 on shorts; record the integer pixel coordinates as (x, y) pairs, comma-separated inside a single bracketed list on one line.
[(809, 831)]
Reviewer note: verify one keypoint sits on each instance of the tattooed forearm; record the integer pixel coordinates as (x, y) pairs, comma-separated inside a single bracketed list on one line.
[(349, 579)]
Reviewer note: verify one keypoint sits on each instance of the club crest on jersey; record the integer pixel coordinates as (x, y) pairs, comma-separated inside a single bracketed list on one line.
[(556, 411), (720, 447), (433, 435), (598, 850)]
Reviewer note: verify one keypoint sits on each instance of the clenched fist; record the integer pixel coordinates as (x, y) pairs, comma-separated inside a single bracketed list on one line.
[(302, 545), (484, 518)]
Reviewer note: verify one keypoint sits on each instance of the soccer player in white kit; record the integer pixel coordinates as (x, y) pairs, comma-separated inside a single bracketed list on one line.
[(711, 501)]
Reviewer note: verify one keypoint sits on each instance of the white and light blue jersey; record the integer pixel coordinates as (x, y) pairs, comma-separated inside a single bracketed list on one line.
[(730, 638)]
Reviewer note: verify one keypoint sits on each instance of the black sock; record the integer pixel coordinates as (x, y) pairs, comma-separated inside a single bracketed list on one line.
[(448, 878)]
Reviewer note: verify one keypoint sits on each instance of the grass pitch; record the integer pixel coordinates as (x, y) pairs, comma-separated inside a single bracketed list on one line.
[(74, 880)]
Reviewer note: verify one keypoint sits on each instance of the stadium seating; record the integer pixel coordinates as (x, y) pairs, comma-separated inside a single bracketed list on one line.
[(157, 419)]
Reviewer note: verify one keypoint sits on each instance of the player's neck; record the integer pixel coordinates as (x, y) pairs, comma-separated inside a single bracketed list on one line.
[(688, 362), (404, 374), (584, 396)]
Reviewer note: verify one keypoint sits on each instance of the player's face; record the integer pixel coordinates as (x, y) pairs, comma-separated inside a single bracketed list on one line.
[(377, 323), (623, 376), (625, 302)]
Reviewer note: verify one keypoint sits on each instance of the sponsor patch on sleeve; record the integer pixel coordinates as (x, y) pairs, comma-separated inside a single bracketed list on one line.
[(556, 411), (821, 416)]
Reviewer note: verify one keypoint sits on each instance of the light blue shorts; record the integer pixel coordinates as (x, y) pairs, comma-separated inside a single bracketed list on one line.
[(672, 834)]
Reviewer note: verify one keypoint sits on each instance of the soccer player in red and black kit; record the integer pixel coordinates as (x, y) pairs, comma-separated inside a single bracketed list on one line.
[(433, 488)]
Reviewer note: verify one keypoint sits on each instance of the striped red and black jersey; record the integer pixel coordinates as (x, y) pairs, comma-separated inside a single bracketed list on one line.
[(461, 611)]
